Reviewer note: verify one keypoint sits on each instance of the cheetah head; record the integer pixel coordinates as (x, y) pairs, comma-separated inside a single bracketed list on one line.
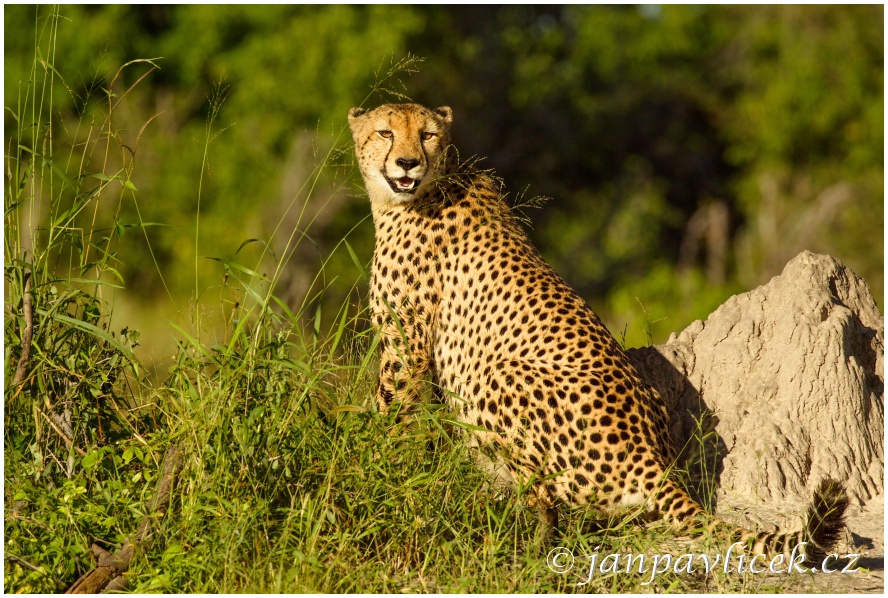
[(400, 148)]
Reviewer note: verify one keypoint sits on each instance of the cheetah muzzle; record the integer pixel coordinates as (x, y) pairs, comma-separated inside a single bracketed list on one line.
[(458, 292)]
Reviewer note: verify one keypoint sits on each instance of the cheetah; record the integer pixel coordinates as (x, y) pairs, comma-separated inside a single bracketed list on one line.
[(460, 294)]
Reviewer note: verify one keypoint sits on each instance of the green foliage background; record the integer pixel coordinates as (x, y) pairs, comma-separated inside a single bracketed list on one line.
[(180, 182), (633, 119)]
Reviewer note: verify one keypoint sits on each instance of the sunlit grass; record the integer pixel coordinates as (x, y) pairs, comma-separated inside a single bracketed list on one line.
[(292, 481)]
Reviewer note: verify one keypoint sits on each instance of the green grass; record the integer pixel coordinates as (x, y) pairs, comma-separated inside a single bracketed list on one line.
[(291, 481)]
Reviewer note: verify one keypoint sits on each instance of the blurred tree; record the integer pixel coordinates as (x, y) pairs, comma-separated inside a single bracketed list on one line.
[(807, 132), (287, 75), (689, 150)]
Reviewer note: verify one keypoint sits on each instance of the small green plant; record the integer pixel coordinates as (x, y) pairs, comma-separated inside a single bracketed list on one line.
[(73, 434)]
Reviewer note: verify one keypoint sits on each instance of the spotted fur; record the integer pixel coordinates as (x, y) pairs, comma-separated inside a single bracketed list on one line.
[(459, 293)]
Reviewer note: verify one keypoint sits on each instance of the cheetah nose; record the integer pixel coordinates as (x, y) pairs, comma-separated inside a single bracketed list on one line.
[(407, 163)]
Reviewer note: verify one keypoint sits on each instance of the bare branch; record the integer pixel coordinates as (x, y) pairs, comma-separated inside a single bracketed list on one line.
[(27, 333), (108, 574)]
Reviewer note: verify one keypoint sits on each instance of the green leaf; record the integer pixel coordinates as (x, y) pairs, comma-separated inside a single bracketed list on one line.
[(96, 282), (356, 261), (340, 328), (172, 551), (91, 459), (260, 241), (348, 409), (191, 340), (236, 266), (87, 327)]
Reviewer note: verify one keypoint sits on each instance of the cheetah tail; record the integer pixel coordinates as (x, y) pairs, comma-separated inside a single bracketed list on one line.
[(825, 519), (823, 525)]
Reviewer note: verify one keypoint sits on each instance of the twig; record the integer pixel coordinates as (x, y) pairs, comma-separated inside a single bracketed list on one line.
[(69, 441), (108, 574), (27, 333), (58, 583), (126, 418)]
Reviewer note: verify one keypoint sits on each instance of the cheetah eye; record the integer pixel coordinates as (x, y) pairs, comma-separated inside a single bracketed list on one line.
[(385, 133), (426, 136)]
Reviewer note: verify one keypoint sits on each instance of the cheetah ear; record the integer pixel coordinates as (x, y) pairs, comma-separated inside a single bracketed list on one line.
[(354, 113), (446, 114)]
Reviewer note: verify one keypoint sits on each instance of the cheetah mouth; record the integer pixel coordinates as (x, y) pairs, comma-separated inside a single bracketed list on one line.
[(404, 184)]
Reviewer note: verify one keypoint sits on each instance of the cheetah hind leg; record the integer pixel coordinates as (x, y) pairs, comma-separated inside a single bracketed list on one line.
[(547, 513)]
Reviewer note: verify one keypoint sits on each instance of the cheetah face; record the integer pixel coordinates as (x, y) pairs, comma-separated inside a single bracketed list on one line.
[(400, 148)]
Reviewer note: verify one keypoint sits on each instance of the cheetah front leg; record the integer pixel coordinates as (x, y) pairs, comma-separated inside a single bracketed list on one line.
[(404, 360)]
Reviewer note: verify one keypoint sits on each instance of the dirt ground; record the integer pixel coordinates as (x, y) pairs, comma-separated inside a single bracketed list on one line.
[(865, 535)]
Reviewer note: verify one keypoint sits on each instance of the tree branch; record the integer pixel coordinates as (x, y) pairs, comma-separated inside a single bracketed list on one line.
[(108, 574), (27, 333)]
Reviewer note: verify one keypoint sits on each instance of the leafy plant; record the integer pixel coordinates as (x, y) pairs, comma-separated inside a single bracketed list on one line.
[(72, 412)]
